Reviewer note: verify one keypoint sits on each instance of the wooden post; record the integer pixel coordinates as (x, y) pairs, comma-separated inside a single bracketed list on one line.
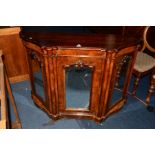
[(4, 80), (3, 121)]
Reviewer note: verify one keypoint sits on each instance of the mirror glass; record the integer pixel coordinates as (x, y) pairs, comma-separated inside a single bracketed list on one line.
[(38, 77), (78, 87), (118, 81)]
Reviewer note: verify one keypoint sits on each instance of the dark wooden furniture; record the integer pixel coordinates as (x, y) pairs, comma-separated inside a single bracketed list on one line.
[(14, 53), (13, 48), (150, 44), (76, 73), (145, 63)]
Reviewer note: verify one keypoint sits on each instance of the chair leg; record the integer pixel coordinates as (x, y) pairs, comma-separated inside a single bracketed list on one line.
[(136, 82), (150, 91)]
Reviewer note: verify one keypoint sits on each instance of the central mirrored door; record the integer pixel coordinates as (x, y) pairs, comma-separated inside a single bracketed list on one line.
[(79, 83)]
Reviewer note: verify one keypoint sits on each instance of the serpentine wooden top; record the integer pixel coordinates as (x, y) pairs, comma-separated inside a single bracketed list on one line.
[(106, 41)]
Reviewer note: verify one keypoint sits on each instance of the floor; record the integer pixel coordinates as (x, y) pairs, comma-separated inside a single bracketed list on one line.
[(133, 115)]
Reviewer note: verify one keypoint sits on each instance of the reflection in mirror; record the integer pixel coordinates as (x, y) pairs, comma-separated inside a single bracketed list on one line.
[(117, 85), (38, 78), (78, 87)]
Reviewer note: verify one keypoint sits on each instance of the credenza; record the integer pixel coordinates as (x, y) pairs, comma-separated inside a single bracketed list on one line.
[(77, 75)]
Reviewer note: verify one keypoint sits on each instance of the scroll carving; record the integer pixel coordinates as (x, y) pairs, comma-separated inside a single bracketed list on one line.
[(34, 56), (79, 65)]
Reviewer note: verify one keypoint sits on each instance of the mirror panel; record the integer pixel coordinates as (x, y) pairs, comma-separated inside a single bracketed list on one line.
[(118, 81), (78, 87), (37, 70)]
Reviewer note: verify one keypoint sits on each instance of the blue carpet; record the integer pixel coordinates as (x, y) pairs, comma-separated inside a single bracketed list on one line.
[(133, 115)]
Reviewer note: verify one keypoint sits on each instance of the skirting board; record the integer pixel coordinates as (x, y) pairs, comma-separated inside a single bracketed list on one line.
[(19, 78)]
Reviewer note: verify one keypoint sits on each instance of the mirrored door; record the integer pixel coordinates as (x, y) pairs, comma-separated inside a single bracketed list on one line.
[(79, 83)]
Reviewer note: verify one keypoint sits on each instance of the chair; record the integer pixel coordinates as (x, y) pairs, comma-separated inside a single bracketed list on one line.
[(145, 63)]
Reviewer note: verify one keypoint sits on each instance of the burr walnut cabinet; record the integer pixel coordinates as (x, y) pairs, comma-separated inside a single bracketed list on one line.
[(76, 75)]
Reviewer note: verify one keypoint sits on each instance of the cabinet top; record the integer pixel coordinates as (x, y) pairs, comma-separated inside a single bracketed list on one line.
[(106, 41)]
